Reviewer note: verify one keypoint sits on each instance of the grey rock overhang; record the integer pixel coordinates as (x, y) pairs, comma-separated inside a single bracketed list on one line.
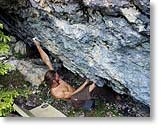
[(97, 39)]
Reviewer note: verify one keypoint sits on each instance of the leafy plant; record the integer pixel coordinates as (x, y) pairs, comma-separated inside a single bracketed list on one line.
[(4, 50), (7, 99), (7, 95), (4, 68)]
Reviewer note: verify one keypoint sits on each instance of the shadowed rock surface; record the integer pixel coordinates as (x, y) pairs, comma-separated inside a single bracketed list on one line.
[(106, 41)]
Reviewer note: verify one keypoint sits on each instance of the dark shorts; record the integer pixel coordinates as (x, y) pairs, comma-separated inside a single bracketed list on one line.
[(82, 99)]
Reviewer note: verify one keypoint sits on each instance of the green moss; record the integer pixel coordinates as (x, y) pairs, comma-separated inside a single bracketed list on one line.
[(19, 55)]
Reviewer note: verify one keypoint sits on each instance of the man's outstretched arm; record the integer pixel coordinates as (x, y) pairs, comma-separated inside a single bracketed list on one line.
[(81, 87), (43, 55)]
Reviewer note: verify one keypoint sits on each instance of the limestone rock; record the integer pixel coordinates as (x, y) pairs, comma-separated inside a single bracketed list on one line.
[(33, 73), (20, 48), (13, 39), (106, 41), (143, 5)]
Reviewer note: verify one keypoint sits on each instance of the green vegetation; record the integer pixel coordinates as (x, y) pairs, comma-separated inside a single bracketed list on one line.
[(7, 99), (4, 50), (14, 85), (4, 68), (103, 110), (19, 56), (9, 90)]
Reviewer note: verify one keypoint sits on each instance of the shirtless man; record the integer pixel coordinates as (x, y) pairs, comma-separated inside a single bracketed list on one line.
[(58, 87)]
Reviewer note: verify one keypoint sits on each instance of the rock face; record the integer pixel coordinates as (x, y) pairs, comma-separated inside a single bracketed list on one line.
[(20, 47), (104, 40), (33, 73)]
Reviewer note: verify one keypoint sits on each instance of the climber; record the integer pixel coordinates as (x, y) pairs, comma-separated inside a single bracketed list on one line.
[(59, 88)]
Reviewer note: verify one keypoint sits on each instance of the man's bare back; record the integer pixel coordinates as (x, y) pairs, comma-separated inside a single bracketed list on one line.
[(62, 90)]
